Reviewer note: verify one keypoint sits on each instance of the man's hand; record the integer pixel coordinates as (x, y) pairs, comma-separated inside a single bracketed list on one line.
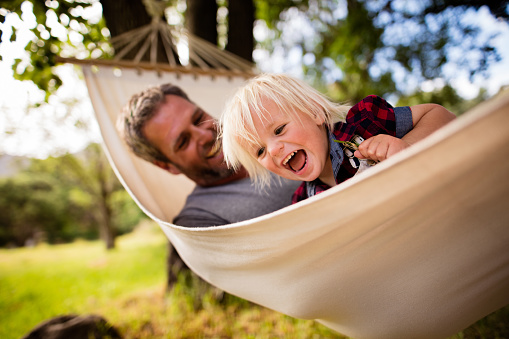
[(380, 147)]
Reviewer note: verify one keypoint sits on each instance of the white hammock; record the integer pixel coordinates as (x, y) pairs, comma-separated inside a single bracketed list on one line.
[(417, 247)]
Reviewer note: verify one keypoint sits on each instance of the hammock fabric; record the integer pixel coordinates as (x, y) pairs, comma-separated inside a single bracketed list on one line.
[(417, 247)]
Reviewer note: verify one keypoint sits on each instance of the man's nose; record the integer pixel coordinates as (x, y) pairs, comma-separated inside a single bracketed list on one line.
[(203, 135)]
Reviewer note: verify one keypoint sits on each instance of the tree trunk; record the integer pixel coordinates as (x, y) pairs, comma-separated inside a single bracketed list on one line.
[(240, 28), (124, 15), (106, 230), (201, 19)]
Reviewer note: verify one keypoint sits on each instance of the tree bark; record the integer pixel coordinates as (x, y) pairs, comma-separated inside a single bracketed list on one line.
[(106, 228), (240, 28), (201, 19), (124, 15)]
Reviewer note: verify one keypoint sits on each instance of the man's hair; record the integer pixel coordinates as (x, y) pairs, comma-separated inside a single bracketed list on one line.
[(137, 112), (292, 96)]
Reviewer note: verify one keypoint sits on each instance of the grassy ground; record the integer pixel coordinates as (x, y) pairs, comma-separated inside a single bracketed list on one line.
[(126, 286), (45, 281)]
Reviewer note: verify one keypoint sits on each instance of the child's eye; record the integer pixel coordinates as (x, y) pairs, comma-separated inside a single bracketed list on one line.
[(279, 130), (260, 151)]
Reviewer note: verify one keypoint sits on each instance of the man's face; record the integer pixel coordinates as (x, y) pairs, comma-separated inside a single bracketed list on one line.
[(187, 136)]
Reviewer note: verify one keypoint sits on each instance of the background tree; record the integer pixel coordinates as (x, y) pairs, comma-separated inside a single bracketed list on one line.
[(348, 48), (357, 47), (447, 96), (60, 199), (68, 29), (93, 187), (33, 209)]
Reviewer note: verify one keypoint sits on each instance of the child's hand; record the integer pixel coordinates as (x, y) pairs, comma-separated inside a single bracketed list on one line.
[(380, 147)]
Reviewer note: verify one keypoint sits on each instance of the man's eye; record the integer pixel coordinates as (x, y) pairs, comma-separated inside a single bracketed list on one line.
[(260, 151), (182, 143), (198, 118), (279, 130)]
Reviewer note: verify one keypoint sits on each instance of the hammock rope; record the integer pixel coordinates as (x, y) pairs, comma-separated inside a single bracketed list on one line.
[(201, 53), (185, 53)]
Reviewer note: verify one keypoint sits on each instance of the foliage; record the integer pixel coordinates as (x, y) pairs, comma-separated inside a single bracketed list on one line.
[(33, 207), (445, 96), (365, 46), (61, 28), (61, 199), (354, 47), (126, 214), (127, 286), (96, 188)]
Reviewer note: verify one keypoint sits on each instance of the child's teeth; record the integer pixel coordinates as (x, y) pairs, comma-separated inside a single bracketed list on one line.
[(288, 157)]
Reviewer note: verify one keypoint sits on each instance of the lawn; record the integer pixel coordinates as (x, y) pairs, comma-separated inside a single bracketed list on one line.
[(82, 277), (127, 287)]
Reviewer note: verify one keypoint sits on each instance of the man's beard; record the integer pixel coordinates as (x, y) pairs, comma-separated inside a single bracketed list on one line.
[(208, 176)]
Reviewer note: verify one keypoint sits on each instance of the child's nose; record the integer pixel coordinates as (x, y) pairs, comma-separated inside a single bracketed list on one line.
[(275, 148)]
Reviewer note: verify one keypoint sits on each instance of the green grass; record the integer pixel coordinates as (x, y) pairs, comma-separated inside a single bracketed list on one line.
[(127, 287), (45, 281)]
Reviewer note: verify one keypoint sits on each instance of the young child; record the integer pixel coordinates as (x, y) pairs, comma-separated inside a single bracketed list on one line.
[(280, 124)]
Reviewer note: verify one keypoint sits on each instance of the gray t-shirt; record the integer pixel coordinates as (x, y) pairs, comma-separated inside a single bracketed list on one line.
[(233, 202)]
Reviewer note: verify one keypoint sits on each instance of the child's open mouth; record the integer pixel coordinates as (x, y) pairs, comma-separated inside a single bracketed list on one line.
[(296, 160)]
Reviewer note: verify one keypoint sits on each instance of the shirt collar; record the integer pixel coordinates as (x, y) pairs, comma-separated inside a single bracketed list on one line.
[(336, 156)]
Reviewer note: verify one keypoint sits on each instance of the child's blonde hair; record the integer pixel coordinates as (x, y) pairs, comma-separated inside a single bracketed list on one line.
[(292, 96)]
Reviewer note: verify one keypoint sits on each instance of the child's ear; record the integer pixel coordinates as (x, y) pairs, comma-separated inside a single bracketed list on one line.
[(318, 119)]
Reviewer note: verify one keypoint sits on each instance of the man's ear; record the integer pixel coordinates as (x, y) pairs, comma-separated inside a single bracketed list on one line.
[(167, 167)]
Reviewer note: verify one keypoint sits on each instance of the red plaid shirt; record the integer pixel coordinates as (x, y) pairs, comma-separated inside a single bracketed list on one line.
[(371, 116)]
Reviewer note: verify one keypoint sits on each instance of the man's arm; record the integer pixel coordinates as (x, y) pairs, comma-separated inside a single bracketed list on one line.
[(427, 118)]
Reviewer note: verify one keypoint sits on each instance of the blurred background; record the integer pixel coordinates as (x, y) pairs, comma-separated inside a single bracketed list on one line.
[(56, 187)]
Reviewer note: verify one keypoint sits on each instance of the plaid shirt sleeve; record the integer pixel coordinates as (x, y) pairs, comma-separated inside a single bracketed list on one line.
[(300, 193), (371, 116)]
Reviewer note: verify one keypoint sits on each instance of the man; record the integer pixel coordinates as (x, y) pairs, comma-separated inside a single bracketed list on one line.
[(161, 125)]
